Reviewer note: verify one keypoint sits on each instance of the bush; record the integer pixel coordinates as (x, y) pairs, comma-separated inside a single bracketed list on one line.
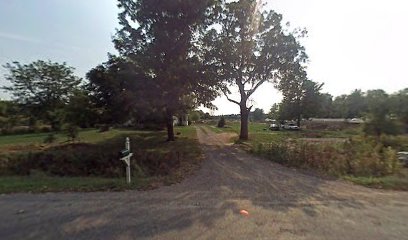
[(80, 159), (358, 157), (221, 122), (378, 126)]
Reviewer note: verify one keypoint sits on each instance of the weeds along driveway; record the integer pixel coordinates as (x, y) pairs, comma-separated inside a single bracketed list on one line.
[(282, 204)]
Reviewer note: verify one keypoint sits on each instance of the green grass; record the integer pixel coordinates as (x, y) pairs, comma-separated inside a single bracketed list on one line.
[(87, 135), (260, 133), (186, 145), (12, 184), (395, 182)]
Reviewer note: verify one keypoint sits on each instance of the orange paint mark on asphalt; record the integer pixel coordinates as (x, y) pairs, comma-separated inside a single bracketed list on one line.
[(244, 212)]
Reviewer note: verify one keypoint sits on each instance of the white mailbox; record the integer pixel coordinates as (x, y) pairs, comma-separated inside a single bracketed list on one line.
[(125, 156)]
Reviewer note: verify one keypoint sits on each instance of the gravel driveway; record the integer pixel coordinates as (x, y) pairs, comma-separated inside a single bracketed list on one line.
[(282, 204)]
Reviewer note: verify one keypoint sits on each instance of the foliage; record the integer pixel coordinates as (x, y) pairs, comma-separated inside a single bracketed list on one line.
[(41, 87), (258, 115), (158, 36), (152, 157), (301, 99), (357, 157), (274, 112), (379, 121), (221, 122), (80, 111), (249, 47), (118, 91), (195, 116)]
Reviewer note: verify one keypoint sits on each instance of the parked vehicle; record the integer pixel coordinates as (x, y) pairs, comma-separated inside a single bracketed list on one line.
[(291, 126), (274, 126), (403, 157)]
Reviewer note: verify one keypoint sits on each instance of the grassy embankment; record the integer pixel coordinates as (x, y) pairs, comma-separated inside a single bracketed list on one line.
[(147, 145)]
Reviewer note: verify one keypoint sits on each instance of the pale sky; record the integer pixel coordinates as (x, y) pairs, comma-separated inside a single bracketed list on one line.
[(351, 44)]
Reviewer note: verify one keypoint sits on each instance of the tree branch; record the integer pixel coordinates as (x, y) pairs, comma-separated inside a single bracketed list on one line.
[(250, 92), (229, 99)]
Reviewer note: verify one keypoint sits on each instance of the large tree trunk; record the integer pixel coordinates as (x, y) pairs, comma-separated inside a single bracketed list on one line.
[(170, 127), (244, 123)]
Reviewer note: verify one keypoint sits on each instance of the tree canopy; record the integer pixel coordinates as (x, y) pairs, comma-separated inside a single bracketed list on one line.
[(247, 47), (41, 86), (158, 36)]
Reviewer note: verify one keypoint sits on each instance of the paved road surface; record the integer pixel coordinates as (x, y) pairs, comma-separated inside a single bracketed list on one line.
[(282, 204)]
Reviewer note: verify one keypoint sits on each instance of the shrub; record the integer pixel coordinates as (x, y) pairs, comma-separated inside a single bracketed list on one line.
[(221, 122), (358, 157), (81, 159)]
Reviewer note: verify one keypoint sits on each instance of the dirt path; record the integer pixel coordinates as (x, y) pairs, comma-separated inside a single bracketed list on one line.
[(282, 204)]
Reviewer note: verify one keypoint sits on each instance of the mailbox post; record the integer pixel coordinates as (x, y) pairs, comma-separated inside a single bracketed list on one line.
[(125, 156)]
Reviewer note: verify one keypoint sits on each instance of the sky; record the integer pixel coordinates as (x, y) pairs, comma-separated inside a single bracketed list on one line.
[(351, 44)]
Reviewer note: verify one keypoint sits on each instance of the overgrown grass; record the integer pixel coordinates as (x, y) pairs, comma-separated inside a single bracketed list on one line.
[(397, 181), (95, 160)]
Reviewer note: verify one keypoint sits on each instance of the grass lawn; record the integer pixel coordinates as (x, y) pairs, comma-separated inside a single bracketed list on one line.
[(86, 135), (37, 184), (186, 147), (260, 133)]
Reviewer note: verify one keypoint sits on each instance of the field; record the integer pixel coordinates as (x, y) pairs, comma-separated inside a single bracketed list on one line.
[(88, 136), (260, 133), (96, 147)]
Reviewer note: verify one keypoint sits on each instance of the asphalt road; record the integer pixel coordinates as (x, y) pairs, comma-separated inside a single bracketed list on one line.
[(282, 204)]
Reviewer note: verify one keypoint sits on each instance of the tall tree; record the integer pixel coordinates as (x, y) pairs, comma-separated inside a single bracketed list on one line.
[(41, 86), (378, 118), (399, 106), (301, 98), (356, 104), (159, 36), (117, 89), (274, 112), (340, 107), (258, 115), (248, 47)]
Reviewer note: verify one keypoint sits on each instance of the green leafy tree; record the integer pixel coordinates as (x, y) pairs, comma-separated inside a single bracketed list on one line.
[(274, 112), (80, 111), (378, 119), (247, 48), (399, 106), (194, 116), (117, 90), (326, 106), (41, 86), (159, 36), (301, 98), (258, 115), (356, 104), (340, 107)]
